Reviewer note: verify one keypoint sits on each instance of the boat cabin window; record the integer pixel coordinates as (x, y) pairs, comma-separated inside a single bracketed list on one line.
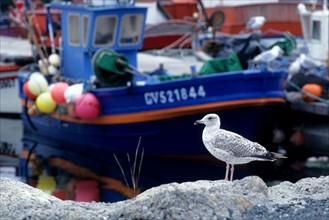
[(131, 29), (316, 30), (104, 31), (85, 26), (74, 30)]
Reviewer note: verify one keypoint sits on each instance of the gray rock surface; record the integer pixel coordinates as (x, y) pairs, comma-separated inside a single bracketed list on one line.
[(248, 198)]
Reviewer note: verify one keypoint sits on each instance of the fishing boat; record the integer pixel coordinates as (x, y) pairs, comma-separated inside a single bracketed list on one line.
[(11, 61), (173, 22), (9, 104), (181, 19), (97, 106), (308, 84), (16, 50)]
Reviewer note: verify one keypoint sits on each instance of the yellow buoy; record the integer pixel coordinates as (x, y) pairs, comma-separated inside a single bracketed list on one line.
[(45, 103), (47, 184), (37, 83)]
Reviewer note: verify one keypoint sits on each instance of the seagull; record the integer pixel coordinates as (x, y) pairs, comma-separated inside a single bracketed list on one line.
[(268, 55), (255, 22), (230, 147), (294, 68), (308, 62), (301, 8), (304, 63)]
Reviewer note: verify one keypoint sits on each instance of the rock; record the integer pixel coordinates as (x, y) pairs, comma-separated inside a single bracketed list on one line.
[(248, 198)]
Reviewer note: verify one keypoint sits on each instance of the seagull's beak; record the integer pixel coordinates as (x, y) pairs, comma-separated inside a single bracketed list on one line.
[(198, 122)]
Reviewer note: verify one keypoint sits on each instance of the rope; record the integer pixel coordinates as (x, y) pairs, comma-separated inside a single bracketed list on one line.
[(325, 101)]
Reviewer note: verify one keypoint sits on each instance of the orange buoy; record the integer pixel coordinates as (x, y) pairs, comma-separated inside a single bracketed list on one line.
[(71, 110), (27, 92), (32, 110), (313, 89), (57, 92)]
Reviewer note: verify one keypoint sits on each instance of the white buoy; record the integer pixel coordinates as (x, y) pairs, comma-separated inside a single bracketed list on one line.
[(37, 83), (73, 92), (54, 59), (52, 70)]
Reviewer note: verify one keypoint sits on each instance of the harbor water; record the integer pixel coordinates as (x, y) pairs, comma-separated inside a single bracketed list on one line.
[(11, 132), (297, 166)]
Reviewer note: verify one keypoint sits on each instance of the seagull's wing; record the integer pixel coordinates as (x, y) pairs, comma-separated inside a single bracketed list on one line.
[(251, 23), (301, 8), (258, 151), (264, 56), (309, 63), (294, 68), (237, 145)]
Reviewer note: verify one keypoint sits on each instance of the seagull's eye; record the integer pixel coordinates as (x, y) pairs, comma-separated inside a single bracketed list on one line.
[(210, 118)]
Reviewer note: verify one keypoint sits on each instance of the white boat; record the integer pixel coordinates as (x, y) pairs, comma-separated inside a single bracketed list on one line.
[(9, 103), (311, 113), (315, 31), (9, 49)]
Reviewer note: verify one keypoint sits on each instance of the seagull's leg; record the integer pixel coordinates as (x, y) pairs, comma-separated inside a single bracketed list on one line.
[(227, 171), (232, 171)]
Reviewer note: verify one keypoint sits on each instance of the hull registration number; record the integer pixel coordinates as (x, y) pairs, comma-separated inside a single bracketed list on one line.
[(174, 95)]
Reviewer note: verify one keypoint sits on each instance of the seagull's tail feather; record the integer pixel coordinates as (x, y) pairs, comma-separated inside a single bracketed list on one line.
[(269, 156), (278, 156)]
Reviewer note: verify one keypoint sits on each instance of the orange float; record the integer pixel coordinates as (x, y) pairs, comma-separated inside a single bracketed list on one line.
[(57, 92), (27, 91), (313, 89)]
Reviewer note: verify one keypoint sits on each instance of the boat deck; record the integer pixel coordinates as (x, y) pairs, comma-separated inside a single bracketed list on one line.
[(312, 107), (11, 46)]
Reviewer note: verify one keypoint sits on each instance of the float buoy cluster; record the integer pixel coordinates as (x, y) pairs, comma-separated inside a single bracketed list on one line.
[(47, 97), (50, 66)]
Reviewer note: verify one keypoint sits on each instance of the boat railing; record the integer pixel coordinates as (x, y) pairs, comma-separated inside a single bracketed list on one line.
[(172, 52), (108, 2), (278, 64)]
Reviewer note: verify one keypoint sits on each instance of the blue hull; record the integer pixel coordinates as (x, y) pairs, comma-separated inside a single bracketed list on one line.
[(177, 136), (242, 100)]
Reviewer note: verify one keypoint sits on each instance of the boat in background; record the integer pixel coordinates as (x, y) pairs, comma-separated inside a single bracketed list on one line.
[(9, 104), (96, 106), (308, 85), (237, 16), (180, 19), (15, 53), (171, 23)]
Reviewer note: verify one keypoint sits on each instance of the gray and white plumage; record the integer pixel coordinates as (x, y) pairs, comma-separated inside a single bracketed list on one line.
[(255, 22), (309, 63), (302, 62), (301, 8), (230, 147), (294, 68), (268, 55)]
